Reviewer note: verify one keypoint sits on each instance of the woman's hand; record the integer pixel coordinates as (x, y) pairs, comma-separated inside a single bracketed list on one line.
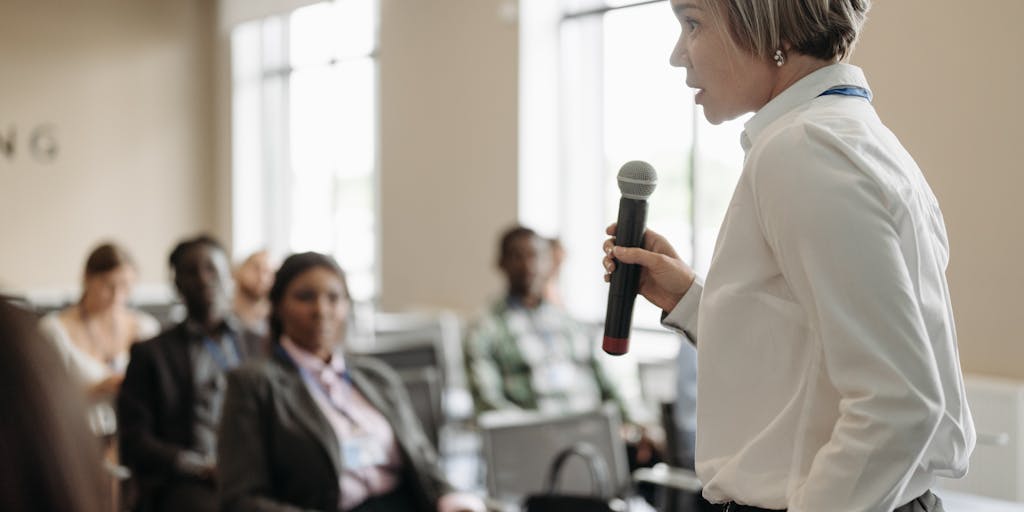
[(107, 387), (461, 502), (664, 278)]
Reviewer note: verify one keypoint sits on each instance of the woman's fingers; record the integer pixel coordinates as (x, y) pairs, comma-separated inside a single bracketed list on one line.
[(636, 255), (608, 244)]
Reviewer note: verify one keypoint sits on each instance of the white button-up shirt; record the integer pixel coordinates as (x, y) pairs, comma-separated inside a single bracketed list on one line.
[(828, 369)]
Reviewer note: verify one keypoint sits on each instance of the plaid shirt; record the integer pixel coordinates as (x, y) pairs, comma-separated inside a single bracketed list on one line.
[(537, 359)]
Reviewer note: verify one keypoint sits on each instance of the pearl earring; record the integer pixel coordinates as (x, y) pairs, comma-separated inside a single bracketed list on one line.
[(780, 59)]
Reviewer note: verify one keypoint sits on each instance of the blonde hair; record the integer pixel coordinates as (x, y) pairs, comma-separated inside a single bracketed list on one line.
[(825, 29)]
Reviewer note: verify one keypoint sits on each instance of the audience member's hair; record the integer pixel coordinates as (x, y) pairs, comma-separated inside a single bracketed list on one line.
[(107, 257), (187, 245), (291, 268), (512, 234), (50, 459)]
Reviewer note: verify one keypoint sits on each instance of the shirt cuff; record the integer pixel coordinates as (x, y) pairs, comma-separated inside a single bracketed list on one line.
[(459, 502), (683, 317)]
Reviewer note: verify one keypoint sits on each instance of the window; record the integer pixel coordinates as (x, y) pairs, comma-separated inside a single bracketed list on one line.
[(304, 146), (617, 100)]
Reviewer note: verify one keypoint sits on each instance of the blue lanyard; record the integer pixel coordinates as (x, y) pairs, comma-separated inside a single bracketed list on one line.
[(216, 351), (848, 90)]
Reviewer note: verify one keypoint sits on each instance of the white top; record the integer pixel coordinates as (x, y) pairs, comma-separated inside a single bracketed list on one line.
[(81, 365), (88, 370), (828, 370)]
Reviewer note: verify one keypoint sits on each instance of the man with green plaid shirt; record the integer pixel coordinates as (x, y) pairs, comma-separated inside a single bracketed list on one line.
[(526, 353)]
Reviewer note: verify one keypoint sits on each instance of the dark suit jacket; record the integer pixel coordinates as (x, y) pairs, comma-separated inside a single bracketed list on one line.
[(277, 451), (155, 408)]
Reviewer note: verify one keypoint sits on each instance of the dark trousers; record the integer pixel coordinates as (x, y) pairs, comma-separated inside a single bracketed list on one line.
[(927, 502), (191, 495)]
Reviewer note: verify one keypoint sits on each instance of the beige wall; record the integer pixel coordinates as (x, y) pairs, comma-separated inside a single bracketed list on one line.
[(448, 133), (126, 84), (947, 79)]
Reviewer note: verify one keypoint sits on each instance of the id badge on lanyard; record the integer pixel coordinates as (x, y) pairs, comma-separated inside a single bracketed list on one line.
[(362, 451)]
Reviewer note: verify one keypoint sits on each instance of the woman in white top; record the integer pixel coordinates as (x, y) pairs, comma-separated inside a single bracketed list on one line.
[(828, 374), (93, 335)]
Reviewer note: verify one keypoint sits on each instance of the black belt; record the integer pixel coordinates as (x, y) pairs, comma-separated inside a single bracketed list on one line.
[(732, 506), (736, 507)]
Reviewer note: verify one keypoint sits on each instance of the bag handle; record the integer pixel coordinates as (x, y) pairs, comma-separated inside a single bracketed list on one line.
[(595, 462)]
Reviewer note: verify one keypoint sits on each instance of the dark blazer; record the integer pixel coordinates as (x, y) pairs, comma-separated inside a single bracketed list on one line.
[(277, 451), (155, 408)]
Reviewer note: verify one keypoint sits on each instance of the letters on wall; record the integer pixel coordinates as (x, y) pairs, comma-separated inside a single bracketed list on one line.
[(38, 143)]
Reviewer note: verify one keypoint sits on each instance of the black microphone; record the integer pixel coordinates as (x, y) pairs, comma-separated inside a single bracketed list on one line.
[(636, 182)]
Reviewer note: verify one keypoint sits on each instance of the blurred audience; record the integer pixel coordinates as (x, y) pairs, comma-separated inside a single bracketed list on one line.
[(170, 402), (253, 278), (552, 290), (526, 353), (93, 335), (50, 459), (309, 398)]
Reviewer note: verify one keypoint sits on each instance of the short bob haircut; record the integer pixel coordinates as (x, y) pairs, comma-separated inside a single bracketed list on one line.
[(825, 29)]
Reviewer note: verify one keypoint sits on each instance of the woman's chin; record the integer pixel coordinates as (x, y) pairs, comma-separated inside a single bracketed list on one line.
[(717, 116)]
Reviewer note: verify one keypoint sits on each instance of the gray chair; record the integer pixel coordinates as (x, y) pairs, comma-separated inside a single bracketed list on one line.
[(413, 346), (519, 447), (423, 385)]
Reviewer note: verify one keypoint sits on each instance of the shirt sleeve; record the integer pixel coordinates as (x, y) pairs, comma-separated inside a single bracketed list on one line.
[(245, 470), (141, 448), (683, 317), (832, 227), (482, 371), (50, 328)]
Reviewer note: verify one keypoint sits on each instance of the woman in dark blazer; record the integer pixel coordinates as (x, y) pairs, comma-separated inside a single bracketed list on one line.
[(310, 428)]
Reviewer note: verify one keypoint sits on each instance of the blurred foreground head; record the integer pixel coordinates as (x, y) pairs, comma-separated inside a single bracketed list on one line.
[(50, 459)]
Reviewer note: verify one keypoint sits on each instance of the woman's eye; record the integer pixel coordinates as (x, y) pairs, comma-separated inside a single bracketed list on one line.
[(690, 24), (305, 296)]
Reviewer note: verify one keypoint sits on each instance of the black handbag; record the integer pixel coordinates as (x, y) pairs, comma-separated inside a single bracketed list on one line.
[(552, 501)]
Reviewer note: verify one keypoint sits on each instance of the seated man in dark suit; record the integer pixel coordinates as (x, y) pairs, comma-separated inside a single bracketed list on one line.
[(170, 402)]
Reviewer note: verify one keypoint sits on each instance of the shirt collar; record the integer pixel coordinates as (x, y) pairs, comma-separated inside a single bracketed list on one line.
[(310, 362), (801, 92), (195, 331), (514, 302)]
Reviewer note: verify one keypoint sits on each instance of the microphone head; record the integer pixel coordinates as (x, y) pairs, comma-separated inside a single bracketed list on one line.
[(637, 180)]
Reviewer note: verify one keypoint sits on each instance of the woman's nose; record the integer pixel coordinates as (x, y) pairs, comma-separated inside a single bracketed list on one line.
[(679, 57), (323, 306)]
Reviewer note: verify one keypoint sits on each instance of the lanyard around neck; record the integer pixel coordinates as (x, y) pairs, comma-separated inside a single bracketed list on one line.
[(848, 90)]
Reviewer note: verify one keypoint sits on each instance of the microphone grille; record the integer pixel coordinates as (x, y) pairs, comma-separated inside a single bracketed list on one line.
[(637, 180)]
